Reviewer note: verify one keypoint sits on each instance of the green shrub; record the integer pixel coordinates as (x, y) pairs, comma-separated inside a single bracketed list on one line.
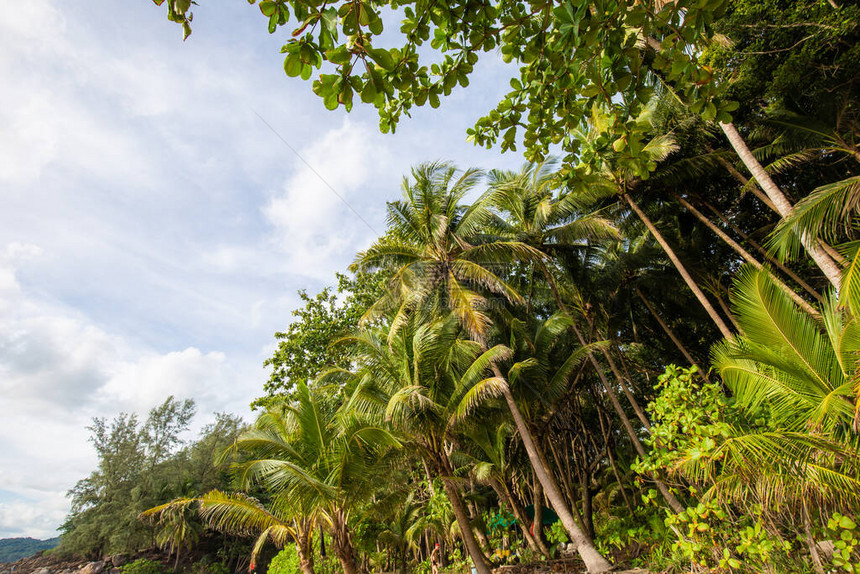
[(141, 566), (285, 562), (205, 566)]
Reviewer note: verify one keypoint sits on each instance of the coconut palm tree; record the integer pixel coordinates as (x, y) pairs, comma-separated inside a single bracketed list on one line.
[(531, 214), (437, 254), (412, 379), (316, 455), (538, 376)]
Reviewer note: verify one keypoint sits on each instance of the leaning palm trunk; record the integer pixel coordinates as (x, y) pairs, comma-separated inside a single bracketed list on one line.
[(775, 262), (594, 562), (670, 498), (783, 206), (670, 333), (462, 516), (745, 254), (682, 270)]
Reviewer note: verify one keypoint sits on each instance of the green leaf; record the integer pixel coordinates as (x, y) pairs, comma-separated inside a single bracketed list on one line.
[(293, 65), (382, 57), (339, 55), (267, 7), (375, 24)]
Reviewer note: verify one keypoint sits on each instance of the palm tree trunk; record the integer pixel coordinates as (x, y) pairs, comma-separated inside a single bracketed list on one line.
[(466, 533), (517, 510), (669, 332), (716, 291), (783, 206), (756, 190), (305, 552), (342, 543), (670, 498), (594, 562), (775, 262), (688, 279), (745, 254)]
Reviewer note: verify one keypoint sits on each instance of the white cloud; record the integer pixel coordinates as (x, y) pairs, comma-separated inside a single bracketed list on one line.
[(317, 216), (38, 520), (57, 371)]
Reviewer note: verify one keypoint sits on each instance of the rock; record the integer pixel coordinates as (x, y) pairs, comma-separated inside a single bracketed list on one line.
[(43, 571), (92, 568), (117, 559)]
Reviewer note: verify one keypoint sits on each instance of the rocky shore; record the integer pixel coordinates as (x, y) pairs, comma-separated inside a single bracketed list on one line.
[(53, 563)]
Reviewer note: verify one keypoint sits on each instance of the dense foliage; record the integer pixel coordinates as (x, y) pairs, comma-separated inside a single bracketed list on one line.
[(142, 465), (496, 381)]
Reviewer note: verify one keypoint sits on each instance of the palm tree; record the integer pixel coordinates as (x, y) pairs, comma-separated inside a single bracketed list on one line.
[(800, 378), (435, 254), (178, 524), (613, 179), (537, 375), (533, 216), (531, 211), (413, 378), (316, 456)]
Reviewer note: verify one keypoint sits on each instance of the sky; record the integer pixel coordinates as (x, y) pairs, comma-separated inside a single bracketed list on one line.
[(154, 228)]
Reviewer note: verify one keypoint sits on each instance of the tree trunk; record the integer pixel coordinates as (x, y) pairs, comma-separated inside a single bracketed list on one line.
[(305, 552), (783, 206), (718, 287), (670, 333), (537, 504), (594, 562), (688, 279), (587, 505), (640, 414), (517, 510), (670, 498), (775, 262), (342, 542), (745, 254), (472, 547)]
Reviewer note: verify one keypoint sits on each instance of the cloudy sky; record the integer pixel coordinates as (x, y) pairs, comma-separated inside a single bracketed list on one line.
[(153, 228)]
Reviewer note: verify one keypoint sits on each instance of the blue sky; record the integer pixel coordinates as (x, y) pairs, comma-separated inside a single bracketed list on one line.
[(153, 229)]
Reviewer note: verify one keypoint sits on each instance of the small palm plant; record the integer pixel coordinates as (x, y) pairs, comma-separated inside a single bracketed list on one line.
[(800, 377)]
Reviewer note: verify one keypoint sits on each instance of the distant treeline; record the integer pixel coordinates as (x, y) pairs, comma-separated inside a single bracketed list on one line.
[(12, 549)]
